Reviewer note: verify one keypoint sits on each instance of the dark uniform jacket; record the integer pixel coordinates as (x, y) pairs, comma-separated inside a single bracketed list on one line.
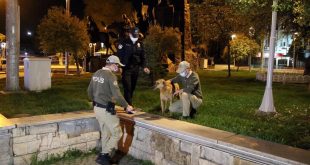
[(103, 88), (130, 54), (190, 84)]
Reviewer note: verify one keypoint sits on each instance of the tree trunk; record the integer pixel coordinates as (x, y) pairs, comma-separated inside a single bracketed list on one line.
[(249, 62), (77, 64), (12, 32), (267, 105), (228, 60)]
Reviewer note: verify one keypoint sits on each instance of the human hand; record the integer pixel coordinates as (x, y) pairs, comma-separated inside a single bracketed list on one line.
[(147, 70), (178, 92), (129, 109)]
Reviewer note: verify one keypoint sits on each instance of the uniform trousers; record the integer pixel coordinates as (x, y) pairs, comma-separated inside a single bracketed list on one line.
[(111, 131), (129, 81)]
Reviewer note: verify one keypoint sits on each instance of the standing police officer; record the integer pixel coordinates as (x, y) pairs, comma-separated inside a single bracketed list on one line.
[(104, 91), (131, 53)]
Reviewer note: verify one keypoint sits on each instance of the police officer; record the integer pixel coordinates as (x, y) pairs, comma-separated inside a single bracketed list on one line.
[(103, 90), (131, 53)]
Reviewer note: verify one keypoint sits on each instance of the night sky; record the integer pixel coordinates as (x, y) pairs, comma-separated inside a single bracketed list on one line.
[(32, 11)]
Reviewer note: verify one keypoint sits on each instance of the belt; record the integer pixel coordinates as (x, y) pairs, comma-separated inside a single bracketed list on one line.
[(99, 105)]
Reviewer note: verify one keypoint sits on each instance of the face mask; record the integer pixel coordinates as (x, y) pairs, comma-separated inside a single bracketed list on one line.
[(134, 40), (183, 74), (115, 68)]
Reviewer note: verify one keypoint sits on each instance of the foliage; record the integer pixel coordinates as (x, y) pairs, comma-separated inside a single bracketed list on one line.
[(243, 47), (108, 11), (158, 43), (58, 32)]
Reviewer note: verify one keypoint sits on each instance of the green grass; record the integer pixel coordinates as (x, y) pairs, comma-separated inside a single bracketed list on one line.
[(229, 104), (68, 93)]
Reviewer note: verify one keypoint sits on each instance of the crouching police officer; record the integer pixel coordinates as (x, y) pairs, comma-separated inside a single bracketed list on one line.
[(131, 53), (103, 90)]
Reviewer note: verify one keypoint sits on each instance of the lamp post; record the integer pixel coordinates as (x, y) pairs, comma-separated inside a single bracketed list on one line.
[(232, 38)]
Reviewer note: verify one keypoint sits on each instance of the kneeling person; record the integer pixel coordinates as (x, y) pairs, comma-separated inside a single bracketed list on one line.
[(190, 93), (103, 90)]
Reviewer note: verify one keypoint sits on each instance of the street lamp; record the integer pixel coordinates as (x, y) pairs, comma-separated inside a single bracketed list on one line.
[(232, 38)]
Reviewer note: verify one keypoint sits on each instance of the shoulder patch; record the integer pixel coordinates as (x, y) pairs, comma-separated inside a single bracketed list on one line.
[(115, 83), (120, 46)]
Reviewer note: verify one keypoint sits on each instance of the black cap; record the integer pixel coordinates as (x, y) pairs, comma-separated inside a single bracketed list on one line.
[(135, 32)]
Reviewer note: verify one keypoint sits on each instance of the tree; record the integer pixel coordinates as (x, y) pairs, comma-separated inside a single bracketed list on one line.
[(214, 21), (157, 45), (108, 11), (58, 32), (242, 47)]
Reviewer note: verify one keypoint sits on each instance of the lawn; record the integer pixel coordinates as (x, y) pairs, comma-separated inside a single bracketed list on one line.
[(229, 104)]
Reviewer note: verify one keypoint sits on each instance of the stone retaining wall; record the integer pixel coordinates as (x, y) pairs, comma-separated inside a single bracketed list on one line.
[(173, 142), (284, 78), (48, 135), (149, 137)]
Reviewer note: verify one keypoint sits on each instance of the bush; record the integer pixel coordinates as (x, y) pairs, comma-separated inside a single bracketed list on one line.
[(158, 43)]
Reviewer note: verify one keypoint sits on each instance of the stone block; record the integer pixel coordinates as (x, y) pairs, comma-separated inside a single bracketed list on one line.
[(206, 162), (5, 143), (143, 134), (92, 144), (81, 147), (23, 160), (19, 131), (33, 146), (239, 161), (216, 156), (24, 139), (186, 147), (159, 156), (76, 127), (195, 154), (49, 141), (40, 129), (20, 149), (26, 148), (6, 161), (90, 136), (167, 162)]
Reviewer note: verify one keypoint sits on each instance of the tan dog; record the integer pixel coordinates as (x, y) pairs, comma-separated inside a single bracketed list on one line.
[(166, 95)]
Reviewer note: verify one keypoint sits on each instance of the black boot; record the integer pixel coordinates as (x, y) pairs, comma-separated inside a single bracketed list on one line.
[(192, 113), (103, 159)]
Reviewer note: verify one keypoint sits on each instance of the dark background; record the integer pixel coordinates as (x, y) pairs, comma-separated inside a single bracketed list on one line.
[(31, 12)]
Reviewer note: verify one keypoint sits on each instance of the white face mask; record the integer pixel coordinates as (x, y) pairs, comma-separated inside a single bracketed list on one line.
[(134, 40), (115, 68), (183, 74)]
